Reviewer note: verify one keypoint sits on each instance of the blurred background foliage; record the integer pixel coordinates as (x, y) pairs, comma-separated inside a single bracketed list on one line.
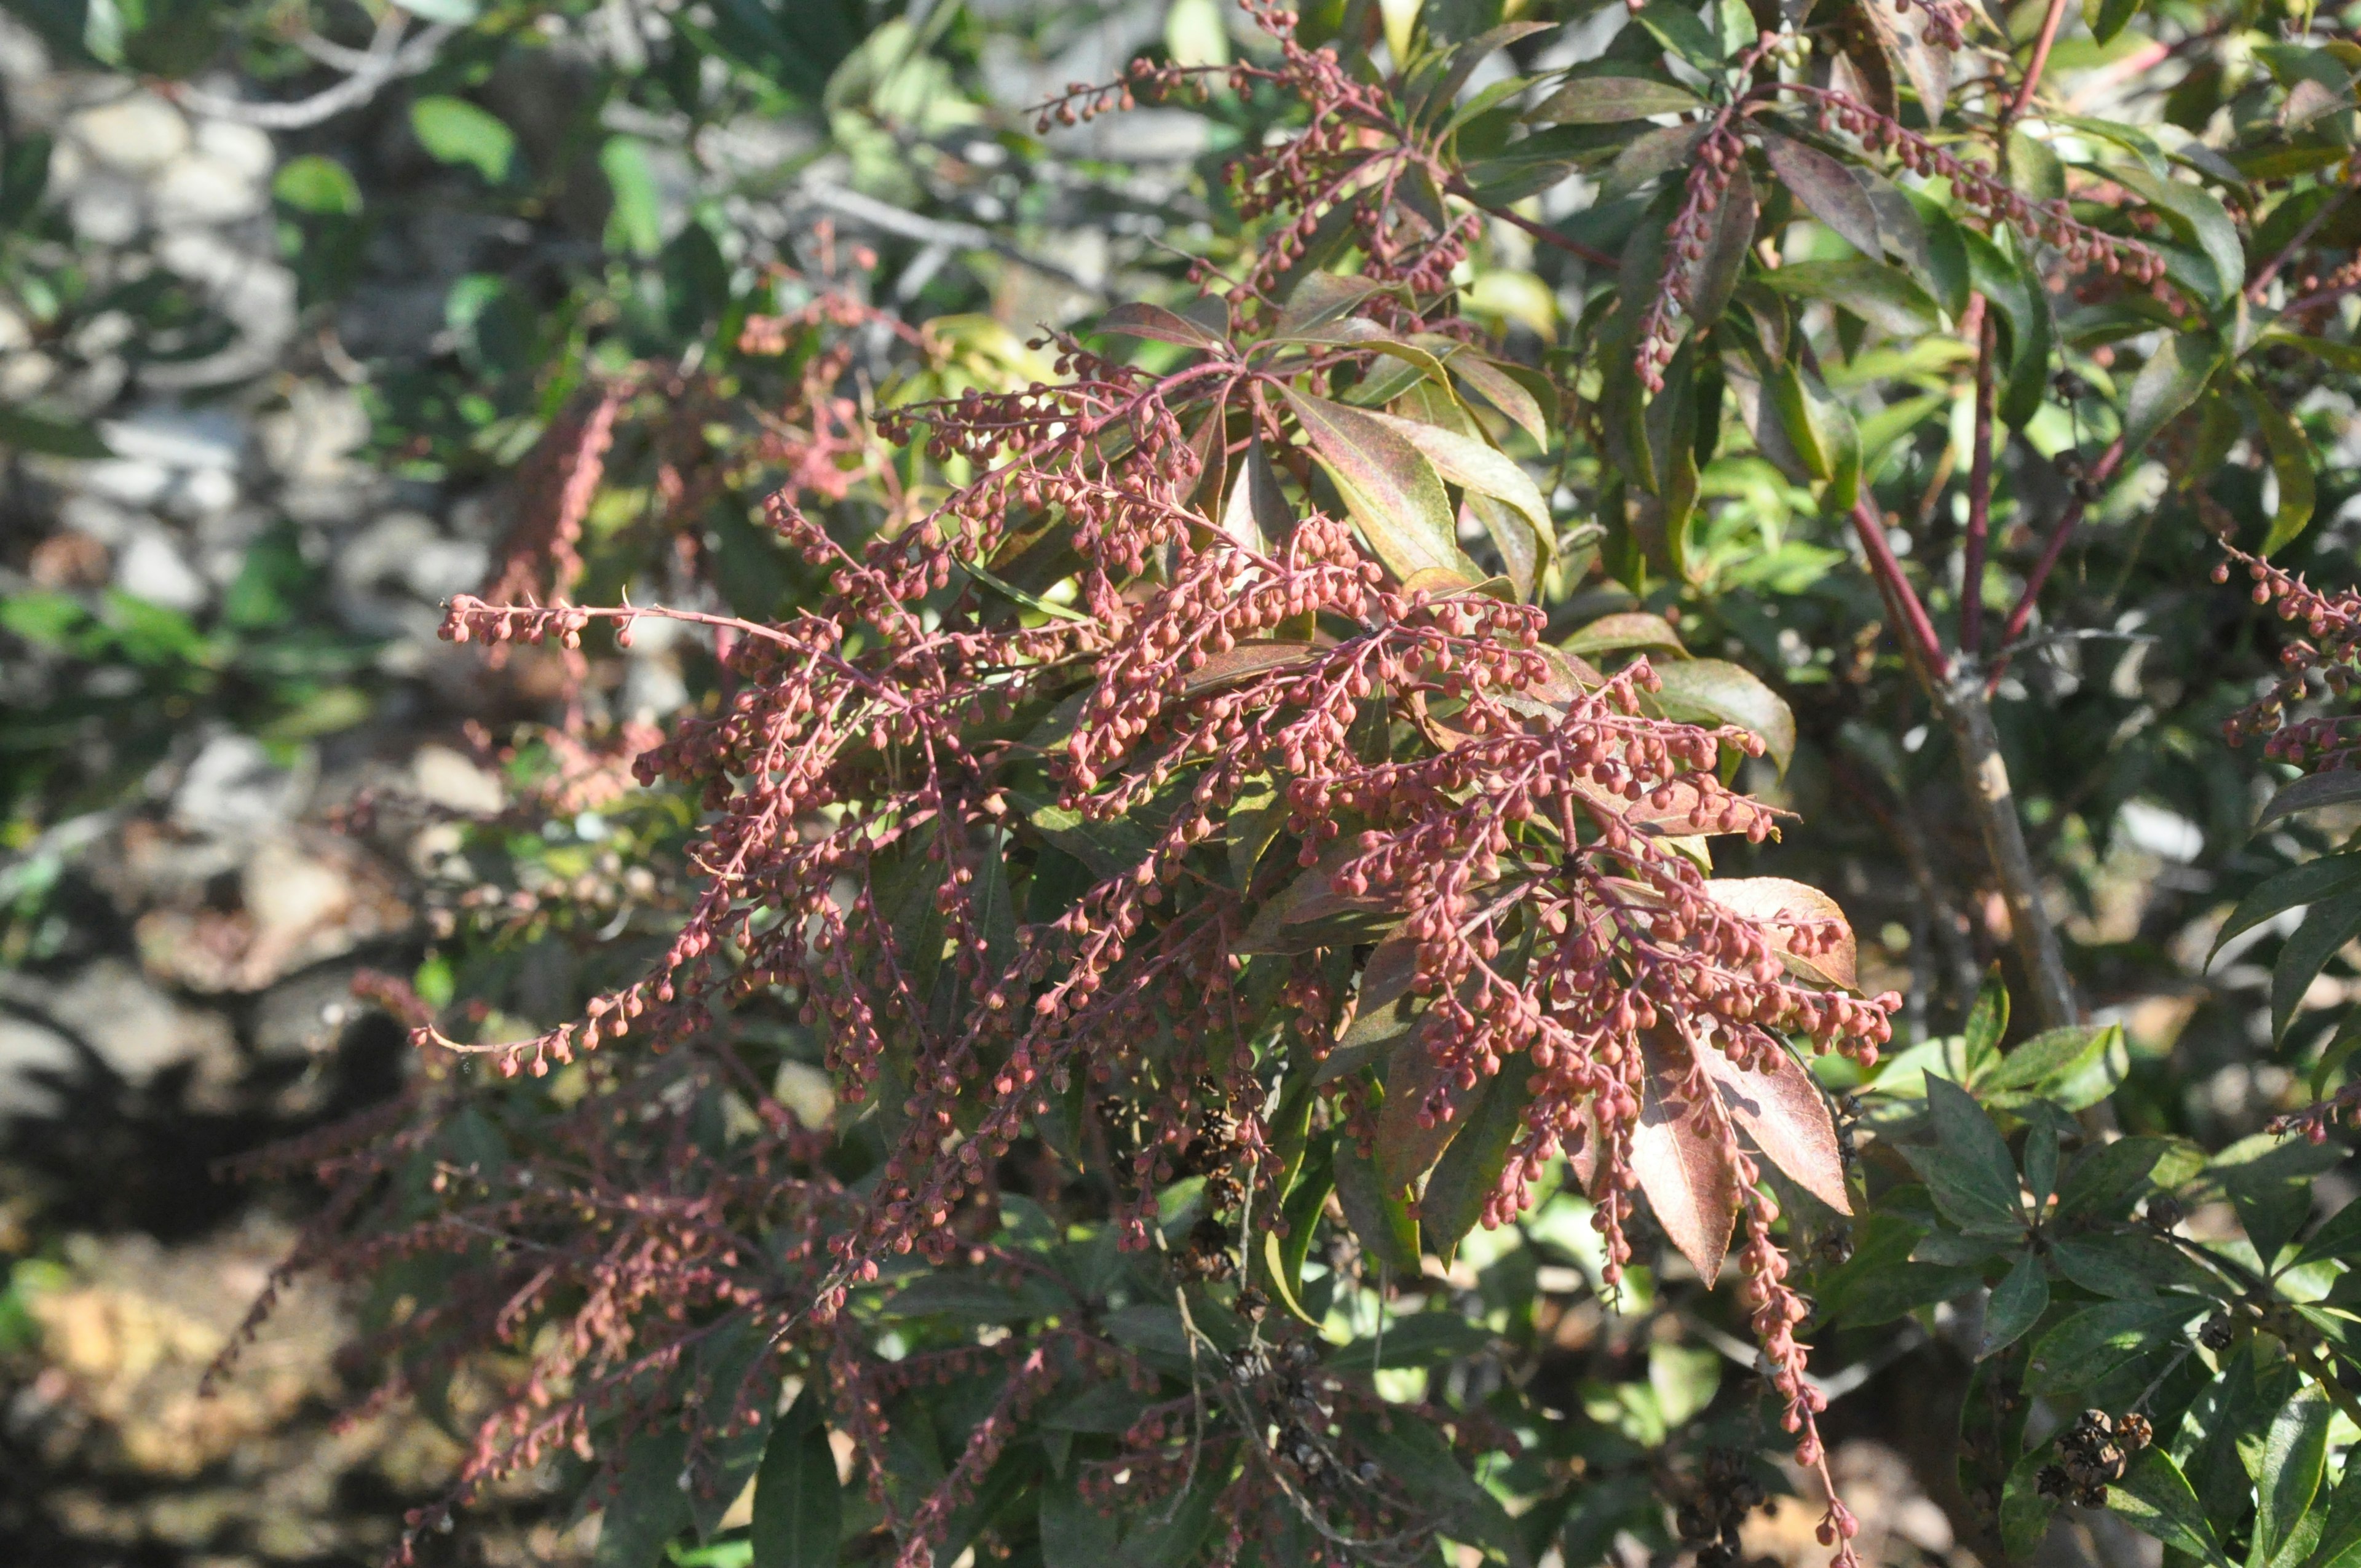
[(302, 307)]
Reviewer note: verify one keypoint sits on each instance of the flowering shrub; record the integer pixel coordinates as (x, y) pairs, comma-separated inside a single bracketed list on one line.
[(1174, 935)]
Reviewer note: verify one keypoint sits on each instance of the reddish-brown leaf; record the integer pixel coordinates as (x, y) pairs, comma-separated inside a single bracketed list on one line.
[(1778, 906), (1827, 190), (1244, 659), (1406, 1151), (1783, 1113), (1682, 1159), (1392, 491), (1143, 320)]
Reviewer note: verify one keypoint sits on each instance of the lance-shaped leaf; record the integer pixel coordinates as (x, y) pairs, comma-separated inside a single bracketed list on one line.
[(1901, 35), (1714, 691), (1144, 319), (2077, 1066), (1471, 1168), (797, 1502), (2294, 1458), (1322, 296), (1472, 465), (2157, 1499), (2167, 383), (2196, 217), (1716, 275), (1827, 189), (1883, 296), (2327, 877), (1503, 390), (1968, 1173), (1626, 629), (2290, 466), (2017, 1304), (1783, 1114), (1681, 1154), (2327, 929), (1392, 491), (1426, 1109), (1244, 660), (1658, 151), (2332, 788), (1256, 512), (1606, 100), (1378, 1217), (1779, 907)]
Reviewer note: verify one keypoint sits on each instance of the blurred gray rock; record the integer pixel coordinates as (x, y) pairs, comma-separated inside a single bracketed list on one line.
[(29, 1051), (136, 133), (136, 1029), (232, 788), (151, 568), (198, 189)]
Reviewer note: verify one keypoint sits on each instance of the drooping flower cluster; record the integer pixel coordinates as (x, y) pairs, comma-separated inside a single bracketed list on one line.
[(2326, 659), (1103, 793)]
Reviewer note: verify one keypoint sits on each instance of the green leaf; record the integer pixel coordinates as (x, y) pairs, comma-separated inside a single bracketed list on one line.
[(2017, 1304), (1681, 31), (2326, 928), (637, 220), (2167, 383), (2108, 17), (1608, 100), (2290, 464), (2332, 788), (1379, 1218), (1724, 262), (2309, 883), (2196, 217), (1969, 1175), (798, 1505), (2340, 1529), (2107, 1181), (2157, 1499), (1713, 691), (2295, 1457), (1472, 465), (1416, 1339), (1827, 190), (1144, 319), (1987, 1023), (22, 430), (1392, 491), (648, 1506), (317, 185), (2074, 1066), (1074, 1534), (1626, 629), (2268, 1179), (454, 131), (1883, 296), (2339, 1238), (2025, 1510), (1470, 1168), (2089, 1347)]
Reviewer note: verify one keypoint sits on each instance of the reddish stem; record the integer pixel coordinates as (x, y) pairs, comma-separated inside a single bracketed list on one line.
[(1915, 623), (2101, 472), (2040, 61)]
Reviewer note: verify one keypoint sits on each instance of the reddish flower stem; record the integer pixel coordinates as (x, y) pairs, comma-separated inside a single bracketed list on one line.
[(2104, 470), (2040, 60), (1917, 625)]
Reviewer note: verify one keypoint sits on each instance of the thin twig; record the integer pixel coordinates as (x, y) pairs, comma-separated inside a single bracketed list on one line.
[(386, 60), (895, 220)]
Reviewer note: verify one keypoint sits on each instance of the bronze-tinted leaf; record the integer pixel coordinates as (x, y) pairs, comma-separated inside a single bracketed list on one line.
[(1626, 629), (1323, 297), (1406, 1151), (1381, 1219), (2333, 788), (1503, 391), (1244, 660), (1713, 691), (1257, 513), (1783, 1114), (1778, 906), (1827, 190), (1717, 270), (1607, 100), (1682, 1158), (1392, 491), (1144, 319), (1902, 37), (1472, 465)]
